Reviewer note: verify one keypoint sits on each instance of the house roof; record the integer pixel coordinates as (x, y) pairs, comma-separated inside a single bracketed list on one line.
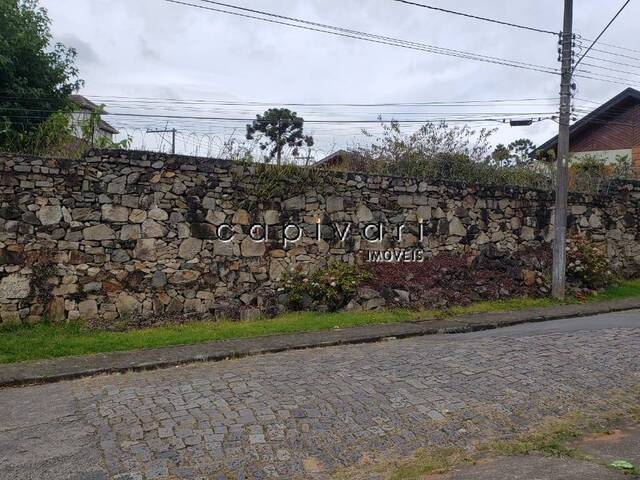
[(602, 111), (331, 158), (85, 104)]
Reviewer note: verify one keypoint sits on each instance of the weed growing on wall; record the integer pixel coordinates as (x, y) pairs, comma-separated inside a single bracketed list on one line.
[(284, 181), (329, 288), (40, 286)]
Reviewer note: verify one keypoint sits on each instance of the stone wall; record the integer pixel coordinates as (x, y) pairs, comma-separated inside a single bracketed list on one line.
[(122, 233)]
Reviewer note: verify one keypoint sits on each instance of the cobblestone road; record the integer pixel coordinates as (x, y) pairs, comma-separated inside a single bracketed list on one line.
[(301, 414)]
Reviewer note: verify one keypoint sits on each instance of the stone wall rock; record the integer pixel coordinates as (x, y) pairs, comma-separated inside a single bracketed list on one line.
[(139, 233)]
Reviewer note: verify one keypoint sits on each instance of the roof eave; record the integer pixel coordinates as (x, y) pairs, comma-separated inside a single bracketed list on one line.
[(628, 93)]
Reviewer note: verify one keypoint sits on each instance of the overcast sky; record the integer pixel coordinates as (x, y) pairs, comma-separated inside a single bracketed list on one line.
[(152, 48)]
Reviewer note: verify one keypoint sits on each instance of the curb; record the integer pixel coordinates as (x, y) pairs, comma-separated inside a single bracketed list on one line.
[(68, 368)]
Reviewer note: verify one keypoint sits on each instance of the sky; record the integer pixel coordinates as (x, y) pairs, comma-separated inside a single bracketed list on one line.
[(153, 57)]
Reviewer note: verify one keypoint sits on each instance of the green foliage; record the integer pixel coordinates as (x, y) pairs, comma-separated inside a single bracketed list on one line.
[(49, 340), (438, 152), (36, 78), (432, 139), (623, 289), (517, 153), (446, 167), (625, 466), (622, 167), (594, 174), (330, 287), (443, 153), (588, 265), (285, 181), (236, 151), (455, 168), (521, 151), (588, 173), (90, 137), (277, 129), (40, 287), (428, 462), (549, 440), (52, 340), (501, 154), (56, 136), (52, 137)]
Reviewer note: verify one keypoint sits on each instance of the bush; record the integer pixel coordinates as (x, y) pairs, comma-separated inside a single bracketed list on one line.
[(439, 152), (588, 265), (331, 288), (285, 181), (592, 174)]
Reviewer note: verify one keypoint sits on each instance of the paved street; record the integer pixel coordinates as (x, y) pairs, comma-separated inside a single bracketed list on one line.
[(301, 414)]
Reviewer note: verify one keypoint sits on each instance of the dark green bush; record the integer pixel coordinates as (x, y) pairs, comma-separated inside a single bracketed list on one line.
[(588, 265), (331, 287)]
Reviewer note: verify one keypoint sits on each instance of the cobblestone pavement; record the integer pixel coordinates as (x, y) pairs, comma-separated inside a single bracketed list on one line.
[(301, 414)]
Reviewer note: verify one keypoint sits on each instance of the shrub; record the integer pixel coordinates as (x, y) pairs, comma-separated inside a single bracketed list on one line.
[(439, 152), (331, 288), (588, 265), (592, 174), (284, 181)]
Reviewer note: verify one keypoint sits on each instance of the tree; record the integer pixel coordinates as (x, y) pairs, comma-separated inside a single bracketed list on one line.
[(517, 153), (36, 78), (277, 129), (501, 154), (521, 151)]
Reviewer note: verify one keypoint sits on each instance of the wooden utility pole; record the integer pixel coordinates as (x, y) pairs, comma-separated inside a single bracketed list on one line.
[(562, 159)]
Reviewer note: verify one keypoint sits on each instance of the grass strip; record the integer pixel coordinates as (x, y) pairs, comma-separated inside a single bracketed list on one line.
[(53, 340)]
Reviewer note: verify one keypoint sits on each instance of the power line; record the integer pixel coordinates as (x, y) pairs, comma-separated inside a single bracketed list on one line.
[(610, 69), (432, 109), (509, 24), (476, 17), (373, 38), (350, 31), (604, 77), (601, 33), (606, 80), (312, 121), (613, 46), (330, 104), (163, 101), (391, 41), (589, 101), (613, 62), (623, 83), (622, 55)]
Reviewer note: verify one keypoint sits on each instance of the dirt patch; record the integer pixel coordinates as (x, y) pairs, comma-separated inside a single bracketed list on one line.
[(614, 436), (450, 279)]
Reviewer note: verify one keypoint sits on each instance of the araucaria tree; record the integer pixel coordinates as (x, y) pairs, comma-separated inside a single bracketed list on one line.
[(36, 77), (278, 129), (518, 153)]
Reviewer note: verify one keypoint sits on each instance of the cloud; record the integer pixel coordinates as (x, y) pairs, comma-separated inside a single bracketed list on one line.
[(86, 54), (151, 48)]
